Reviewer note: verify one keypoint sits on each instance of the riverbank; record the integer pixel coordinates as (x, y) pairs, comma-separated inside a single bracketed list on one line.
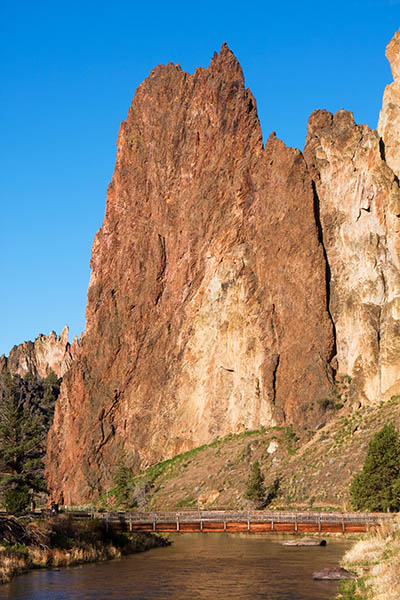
[(62, 542), (207, 566), (375, 560)]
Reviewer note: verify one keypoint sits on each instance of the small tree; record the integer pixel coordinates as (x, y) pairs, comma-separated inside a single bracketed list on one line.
[(124, 483), (255, 489), (377, 486)]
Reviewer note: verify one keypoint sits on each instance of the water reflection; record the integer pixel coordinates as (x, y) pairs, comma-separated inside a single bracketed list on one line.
[(201, 566)]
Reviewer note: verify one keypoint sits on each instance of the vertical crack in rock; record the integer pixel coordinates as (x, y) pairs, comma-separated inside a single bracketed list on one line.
[(274, 376), (163, 257), (327, 272)]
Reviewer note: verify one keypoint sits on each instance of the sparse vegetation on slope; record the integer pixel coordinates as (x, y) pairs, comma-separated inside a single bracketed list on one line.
[(313, 473)]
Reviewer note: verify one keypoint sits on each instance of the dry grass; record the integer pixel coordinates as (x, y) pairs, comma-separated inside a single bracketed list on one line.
[(376, 561), (70, 543), (11, 565), (14, 561)]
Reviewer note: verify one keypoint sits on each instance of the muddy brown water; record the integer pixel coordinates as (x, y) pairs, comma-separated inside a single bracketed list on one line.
[(197, 566)]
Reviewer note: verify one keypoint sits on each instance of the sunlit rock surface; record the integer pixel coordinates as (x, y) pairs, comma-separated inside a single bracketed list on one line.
[(207, 305), (47, 353), (389, 118), (359, 204)]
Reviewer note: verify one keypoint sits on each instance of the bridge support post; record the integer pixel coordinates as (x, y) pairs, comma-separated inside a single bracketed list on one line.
[(272, 524), (130, 521), (248, 524), (201, 525), (224, 524), (367, 523), (154, 523), (295, 522), (177, 522), (319, 523), (343, 525)]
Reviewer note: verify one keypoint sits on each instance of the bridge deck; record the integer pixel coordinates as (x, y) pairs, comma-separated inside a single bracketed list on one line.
[(239, 521)]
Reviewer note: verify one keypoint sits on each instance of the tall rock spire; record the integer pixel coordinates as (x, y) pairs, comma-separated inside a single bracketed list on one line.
[(207, 305), (389, 118)]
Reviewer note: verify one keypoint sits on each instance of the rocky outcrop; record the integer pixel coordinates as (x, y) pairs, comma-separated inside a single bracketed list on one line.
[(207, 305), (233, 285), (389, 118), (45, 354), (358, 201)]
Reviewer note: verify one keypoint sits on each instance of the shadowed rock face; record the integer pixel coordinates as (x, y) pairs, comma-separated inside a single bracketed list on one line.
[(47, 353), (207, 305)]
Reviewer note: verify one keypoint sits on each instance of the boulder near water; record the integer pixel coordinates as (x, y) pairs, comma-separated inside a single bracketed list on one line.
[(305, 542), (334, 574)]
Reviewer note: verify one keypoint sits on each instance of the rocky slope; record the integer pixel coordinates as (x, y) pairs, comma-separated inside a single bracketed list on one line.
[(314, 473), (233, 286), (45, 354)]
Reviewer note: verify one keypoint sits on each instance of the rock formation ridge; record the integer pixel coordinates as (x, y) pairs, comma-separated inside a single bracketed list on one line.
[(233, 285), (47, 353)]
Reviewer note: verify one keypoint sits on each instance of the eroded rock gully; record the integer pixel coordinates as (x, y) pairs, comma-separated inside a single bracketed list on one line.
[(219, 276)]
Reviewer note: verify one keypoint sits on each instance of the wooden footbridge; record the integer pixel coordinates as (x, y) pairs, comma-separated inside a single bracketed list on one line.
[(239, 521)]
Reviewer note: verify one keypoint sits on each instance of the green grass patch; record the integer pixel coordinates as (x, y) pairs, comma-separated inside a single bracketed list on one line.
[(355, 589)]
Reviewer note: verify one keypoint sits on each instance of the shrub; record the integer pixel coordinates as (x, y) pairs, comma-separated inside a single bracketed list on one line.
[(255, 489), (291, 439), (16, 500)]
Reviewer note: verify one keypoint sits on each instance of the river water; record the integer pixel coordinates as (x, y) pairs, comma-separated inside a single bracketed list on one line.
[(213, 566)]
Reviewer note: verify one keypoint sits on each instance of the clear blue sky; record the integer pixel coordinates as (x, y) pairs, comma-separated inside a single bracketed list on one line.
[(68, 73)]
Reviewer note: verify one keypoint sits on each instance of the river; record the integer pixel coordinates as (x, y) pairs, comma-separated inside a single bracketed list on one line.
[(213, 566)]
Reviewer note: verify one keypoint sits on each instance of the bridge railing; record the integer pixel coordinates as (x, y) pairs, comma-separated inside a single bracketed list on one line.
[(239, 516)]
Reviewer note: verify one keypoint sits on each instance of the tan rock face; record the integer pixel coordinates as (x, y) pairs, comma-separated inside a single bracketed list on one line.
[(359, 204), (389, 118), (207, 303), (45, 354)]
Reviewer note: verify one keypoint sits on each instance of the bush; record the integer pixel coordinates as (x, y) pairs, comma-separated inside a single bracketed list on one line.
[(255, 489), (271, 492), (16, 500), (377, 487), (291, 439)]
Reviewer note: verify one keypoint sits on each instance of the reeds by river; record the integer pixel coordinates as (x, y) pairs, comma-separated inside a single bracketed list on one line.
[(61, 542)]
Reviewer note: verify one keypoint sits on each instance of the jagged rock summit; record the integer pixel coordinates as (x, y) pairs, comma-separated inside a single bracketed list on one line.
[(207, 307), (46, 353), (233, 286)]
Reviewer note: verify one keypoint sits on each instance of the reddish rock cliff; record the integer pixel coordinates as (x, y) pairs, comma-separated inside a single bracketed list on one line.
[(47, 353), (207, 305)]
